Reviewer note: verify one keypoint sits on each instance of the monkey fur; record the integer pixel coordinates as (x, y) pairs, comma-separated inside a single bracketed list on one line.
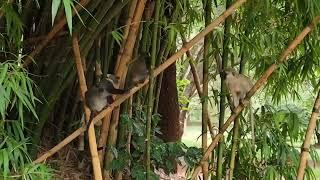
[(137, 72), (238, 86), (100, 95)]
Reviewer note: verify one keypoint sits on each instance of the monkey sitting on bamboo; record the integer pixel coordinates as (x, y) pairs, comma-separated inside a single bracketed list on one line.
[(137, 71), (238, 85), (100, 95)]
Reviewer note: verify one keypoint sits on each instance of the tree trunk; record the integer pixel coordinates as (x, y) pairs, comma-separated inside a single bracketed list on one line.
[(169, 107)]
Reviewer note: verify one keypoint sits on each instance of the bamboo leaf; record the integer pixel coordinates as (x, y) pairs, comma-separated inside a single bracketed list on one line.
[(54, 9), (68, 11)]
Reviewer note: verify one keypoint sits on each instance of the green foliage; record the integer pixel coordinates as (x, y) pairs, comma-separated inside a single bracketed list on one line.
[(163, 155), (16, 97), (13, 26), (181, 85), (16, 91), (274, 154)]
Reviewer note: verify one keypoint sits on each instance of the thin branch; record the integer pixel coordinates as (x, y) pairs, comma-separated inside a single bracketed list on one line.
[(257, 85)]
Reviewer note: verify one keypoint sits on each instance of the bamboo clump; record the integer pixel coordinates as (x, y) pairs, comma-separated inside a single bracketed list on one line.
[(257, 85), (157, 71)]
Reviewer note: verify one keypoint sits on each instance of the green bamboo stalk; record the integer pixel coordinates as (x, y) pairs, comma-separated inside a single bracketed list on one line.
[(225, 53), (151, 87), (236, 127)]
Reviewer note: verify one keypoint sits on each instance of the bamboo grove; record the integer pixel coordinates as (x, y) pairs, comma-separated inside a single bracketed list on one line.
[(52, 52)]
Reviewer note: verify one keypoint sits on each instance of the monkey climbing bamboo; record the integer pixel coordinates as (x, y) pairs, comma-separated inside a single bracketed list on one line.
[(157, 71), (83, 88), (255, 87), (56, 28), (306, 144)]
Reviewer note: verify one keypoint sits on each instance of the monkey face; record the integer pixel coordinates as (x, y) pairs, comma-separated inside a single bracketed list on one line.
[(113, 78)]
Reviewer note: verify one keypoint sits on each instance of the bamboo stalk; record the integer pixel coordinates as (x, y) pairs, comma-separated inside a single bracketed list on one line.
[(197, 83), (223, 90), (56, 28), (306, 144), (235, 135), (106, 122), (205, 83), (257, 85), (126, 31), (121, 72), (151, 87), (235, 140), (83, 88), (157, 71)]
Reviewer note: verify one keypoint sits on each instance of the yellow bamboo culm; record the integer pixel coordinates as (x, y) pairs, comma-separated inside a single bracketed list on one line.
[(106, 121), (306, 144), (83, 88), (257, 85), (121, 71), (157, 71)]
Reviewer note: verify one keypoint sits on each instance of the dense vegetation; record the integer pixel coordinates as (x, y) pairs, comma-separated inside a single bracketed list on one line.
[(41, 99)]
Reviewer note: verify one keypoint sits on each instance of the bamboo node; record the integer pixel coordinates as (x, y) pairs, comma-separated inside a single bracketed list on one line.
[(303, 149)]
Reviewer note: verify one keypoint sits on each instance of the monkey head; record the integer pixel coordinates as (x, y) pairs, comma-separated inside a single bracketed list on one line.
[(112, 78)]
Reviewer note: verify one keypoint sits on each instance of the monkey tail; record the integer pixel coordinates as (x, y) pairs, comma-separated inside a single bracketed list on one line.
[(117, 91)]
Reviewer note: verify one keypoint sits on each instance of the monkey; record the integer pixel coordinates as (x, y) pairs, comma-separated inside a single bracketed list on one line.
[(137, 72), (238, 85), (100, 95)]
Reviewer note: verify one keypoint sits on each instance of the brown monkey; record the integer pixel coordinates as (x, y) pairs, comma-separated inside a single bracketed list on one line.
[(137, 72), (238, 86)]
